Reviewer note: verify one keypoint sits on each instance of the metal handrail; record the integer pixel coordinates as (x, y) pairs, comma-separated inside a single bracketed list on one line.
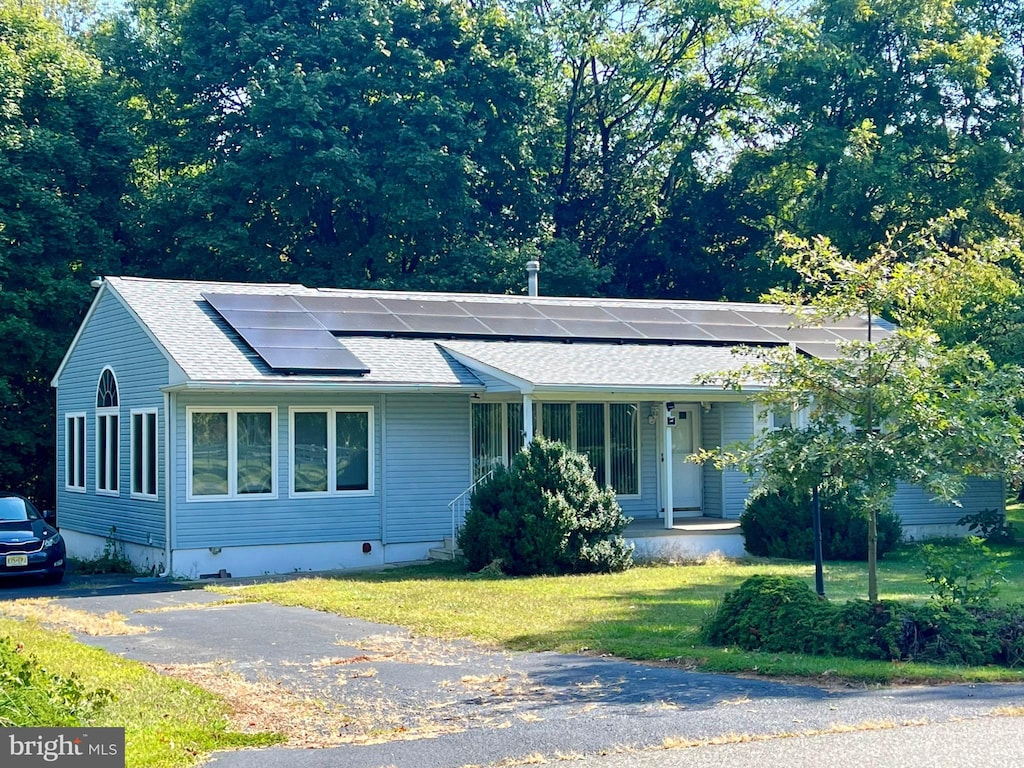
[(460, 505)]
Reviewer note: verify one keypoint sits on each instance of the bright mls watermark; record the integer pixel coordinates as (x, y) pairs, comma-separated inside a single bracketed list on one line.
[(62, 747)]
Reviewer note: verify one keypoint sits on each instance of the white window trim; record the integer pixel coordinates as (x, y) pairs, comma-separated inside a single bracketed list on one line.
[(145, 447), (232, 494), (765, 417), (71, 457), (332, 448), (103, 422)]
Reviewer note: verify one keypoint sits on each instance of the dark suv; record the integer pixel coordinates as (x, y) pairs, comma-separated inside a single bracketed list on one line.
[(29, 542)]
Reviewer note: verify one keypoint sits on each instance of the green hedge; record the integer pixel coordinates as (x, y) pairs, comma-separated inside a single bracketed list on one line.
[(780, 525), (783, 614)]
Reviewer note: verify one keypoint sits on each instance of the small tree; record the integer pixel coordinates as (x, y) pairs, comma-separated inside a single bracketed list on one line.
[(902, 407)]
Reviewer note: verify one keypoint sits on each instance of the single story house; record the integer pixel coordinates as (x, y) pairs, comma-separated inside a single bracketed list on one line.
[(253, 429)]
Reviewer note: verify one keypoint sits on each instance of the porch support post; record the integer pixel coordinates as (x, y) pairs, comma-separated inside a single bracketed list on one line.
[(527, 420), (667, 473)]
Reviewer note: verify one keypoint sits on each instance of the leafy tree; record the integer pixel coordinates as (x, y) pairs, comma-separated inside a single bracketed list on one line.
[(894, 406), (891, 112), (65, 167), (392, 144), (642, 92)]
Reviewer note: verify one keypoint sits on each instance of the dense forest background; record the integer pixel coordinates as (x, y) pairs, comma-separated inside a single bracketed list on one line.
[(640, 148)]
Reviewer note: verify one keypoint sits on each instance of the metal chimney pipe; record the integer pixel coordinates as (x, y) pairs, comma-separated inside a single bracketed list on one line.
[(532, 268)]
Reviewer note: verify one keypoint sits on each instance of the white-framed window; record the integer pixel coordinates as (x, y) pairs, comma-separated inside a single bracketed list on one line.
[(607, 433), (232, 453), (74, 452), (144, 454), (331, 451), (782, 417), (107, 434)]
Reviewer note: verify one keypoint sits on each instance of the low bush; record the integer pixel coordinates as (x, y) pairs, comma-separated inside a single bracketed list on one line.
[(771, 613), (991, 525), (779, 524), (545, 515), (781, 613), (31, 696), (966, 573)]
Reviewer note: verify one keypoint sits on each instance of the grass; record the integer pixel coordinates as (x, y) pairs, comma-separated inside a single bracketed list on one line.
[(168, 723), (650, 613)]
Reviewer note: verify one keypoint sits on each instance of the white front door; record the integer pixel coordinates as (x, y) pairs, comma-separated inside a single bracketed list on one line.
[(686, 476)]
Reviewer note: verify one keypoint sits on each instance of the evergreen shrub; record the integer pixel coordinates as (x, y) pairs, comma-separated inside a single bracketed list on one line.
[(545, 514), (779, 524), (782, 614)]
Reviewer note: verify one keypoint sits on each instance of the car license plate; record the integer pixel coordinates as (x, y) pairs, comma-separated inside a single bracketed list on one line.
[(16, 560)]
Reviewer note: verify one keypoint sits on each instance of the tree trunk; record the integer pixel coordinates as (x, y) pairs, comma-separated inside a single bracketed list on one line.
[(872, 555)]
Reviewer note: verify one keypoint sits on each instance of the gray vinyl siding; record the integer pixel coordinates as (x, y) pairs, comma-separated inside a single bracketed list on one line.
[(737, 423), (112, 338), (280, 520), (915, 507), (711, 437), (428, 464)]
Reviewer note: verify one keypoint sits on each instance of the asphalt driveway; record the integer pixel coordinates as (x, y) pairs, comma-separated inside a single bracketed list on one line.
[(391, 699)]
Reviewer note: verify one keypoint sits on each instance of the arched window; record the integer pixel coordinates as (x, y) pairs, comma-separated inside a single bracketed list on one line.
[(106, 392), (107, 432)]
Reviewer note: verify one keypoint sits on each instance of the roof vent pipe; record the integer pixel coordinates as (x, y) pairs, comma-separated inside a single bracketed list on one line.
[(532, 268)]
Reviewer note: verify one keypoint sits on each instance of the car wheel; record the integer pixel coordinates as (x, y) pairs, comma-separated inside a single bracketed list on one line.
[(54, 578)]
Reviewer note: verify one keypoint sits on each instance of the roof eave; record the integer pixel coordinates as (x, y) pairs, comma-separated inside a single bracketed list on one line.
[(320, 386)]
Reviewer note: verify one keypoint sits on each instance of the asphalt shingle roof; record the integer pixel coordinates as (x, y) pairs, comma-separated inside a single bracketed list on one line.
[(605, 365), (208, 349)]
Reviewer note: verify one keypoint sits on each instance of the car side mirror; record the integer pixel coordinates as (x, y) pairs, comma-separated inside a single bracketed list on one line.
[(50, 516)]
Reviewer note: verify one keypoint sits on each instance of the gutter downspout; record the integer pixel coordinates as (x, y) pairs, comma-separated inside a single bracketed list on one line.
[(168, 488)]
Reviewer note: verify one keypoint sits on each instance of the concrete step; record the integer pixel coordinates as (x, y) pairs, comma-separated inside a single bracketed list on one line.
[(443, 553)]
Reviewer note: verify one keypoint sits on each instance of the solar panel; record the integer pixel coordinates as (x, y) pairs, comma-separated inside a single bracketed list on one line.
[(677, 331), (525, 328), (724, 316), (573, 312), (423, 307), (446, 324), (284, 334), (489, 309), (356, 322), (600, 329), (740, 334), (309, 325), (644, 314), (238, 318), (820, 350), (261, 302), (341, 303), (336, 360)]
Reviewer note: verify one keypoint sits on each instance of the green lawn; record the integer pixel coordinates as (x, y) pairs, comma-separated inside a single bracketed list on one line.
[(168, 723), (650, 612)]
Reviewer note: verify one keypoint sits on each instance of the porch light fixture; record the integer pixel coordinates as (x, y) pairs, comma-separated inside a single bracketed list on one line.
[(706, 406)]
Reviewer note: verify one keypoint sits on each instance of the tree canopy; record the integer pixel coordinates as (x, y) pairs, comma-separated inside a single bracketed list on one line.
[(638, 149)]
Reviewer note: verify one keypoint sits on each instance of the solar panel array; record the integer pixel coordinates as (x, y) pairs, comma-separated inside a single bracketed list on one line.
[(301, 333)]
